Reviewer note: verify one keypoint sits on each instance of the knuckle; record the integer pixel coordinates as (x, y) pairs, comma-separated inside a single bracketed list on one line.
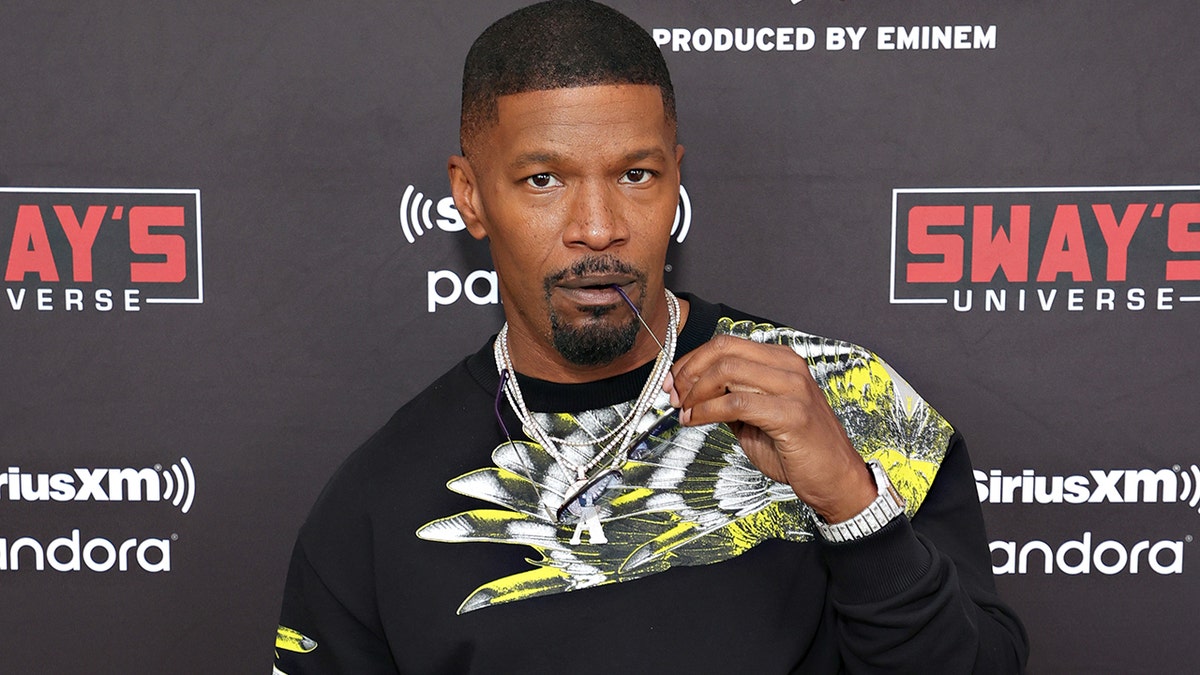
[(725, 369), (724, 343), (739, 401), (802, 416)]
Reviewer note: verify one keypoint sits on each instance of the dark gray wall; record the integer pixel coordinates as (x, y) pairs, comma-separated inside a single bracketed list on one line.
[(301, 124)]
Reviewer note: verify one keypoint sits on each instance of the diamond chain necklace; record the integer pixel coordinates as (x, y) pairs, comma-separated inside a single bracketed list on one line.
[(606, 444)]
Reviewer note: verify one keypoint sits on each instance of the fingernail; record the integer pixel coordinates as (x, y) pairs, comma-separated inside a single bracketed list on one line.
[(669, 387), (685, 416)]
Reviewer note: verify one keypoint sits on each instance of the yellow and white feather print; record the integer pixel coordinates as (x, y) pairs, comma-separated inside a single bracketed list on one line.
[(695, 500)]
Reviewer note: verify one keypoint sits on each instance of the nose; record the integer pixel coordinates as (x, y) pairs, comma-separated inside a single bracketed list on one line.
[(595, 219)]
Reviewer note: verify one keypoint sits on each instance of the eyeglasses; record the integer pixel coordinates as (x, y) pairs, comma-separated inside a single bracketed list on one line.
[(644, 445), (641, 447)]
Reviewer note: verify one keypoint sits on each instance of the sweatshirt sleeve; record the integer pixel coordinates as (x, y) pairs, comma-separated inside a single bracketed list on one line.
[(319, 634), (919, 596), (330, 620)]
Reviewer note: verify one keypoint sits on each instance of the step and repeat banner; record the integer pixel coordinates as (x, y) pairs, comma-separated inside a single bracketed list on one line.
[(229, 254)]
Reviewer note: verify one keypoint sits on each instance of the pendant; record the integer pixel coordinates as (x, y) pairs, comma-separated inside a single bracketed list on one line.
[(581, 502)]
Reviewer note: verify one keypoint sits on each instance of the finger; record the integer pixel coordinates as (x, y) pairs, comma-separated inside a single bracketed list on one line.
[(736, 375), (689, 367), (781, 374), (791, 424), (771, 414), (804, 446), (731, 408), (726, 344)]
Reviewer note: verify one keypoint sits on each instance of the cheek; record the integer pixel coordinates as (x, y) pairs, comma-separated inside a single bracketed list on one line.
[(524, 233), (523, 254), (656, 223)]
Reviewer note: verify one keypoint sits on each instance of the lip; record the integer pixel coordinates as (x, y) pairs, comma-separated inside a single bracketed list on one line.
[(597, 289)]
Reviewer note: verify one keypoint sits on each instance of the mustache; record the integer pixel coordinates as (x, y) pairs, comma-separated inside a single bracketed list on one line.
[(595, 265)]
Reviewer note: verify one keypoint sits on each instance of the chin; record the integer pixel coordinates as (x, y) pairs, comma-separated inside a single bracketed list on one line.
[(595, 341)]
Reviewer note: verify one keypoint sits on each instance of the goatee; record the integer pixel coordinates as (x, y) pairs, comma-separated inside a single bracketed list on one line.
[(597, 342)]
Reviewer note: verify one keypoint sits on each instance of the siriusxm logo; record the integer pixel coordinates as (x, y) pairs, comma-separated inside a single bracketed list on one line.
[(415, 220), (1116, 486), (178, 484), (416, 215), (480, 287)]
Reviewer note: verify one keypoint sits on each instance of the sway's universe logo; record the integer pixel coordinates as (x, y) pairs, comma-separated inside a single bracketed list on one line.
[(1097, 486), (1042, 249), (480, 287), (92, 249), (175, 485)]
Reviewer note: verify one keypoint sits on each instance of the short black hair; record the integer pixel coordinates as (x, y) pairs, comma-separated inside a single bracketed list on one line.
[(555, 45)]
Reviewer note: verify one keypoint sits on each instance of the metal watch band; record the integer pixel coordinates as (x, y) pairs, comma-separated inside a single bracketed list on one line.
[(870, 520)]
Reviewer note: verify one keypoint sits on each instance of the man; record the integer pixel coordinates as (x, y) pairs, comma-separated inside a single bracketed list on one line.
[(690, 479)]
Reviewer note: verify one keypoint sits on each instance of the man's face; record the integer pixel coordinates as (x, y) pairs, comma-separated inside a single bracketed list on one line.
[(576, 190)]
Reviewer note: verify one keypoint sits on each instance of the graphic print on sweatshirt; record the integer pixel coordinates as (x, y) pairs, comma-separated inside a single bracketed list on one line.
[(694, 498)]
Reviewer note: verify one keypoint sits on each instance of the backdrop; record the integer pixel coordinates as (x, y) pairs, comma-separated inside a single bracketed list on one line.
[(229, 254)]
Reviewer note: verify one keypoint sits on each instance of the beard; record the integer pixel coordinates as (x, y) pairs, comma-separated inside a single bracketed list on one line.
[(599, 341)]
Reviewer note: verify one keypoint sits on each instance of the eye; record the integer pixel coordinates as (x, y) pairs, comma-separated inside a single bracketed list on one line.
[(637, 176), (542, 181)]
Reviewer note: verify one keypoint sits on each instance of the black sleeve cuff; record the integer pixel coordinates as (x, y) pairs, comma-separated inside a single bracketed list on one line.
[(881, 565)]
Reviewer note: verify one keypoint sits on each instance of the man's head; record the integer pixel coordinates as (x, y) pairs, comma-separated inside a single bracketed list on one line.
[(557, 45), (571, 171)]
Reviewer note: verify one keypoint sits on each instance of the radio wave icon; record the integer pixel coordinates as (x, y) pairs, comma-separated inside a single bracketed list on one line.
[(414, 214), (1191, 485), (415, 220), (181, 482), (683, 216)]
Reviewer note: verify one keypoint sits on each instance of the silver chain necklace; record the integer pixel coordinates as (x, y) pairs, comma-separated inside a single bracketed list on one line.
[(608, 443)]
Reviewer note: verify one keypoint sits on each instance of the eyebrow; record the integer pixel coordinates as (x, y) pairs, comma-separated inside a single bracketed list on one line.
[(648, 153), (528, 158)]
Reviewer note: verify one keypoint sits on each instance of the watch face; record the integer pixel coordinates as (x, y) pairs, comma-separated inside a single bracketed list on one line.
[(885, 484)]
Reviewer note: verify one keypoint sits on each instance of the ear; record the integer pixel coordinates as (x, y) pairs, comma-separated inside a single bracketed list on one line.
[(465, 189)]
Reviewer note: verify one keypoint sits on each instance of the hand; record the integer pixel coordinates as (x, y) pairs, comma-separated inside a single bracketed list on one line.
[(781, 418)]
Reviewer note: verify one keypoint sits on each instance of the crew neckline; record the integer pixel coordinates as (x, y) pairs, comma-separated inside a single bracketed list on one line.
[(546, 396)]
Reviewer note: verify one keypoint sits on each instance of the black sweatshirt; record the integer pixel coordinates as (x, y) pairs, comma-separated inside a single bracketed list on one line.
[(755, 593)]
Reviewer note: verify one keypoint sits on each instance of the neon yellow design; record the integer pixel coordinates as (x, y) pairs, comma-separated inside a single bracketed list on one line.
[(292, 641), (632, 496), (698, 501), (912, 478)]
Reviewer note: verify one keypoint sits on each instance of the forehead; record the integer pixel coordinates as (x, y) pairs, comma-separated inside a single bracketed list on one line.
[(580, 120)]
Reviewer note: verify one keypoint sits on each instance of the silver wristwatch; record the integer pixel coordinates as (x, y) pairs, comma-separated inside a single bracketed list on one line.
[(870, 520)]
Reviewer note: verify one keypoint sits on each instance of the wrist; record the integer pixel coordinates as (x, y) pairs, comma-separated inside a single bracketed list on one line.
[(885, 507), (850, 496)]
